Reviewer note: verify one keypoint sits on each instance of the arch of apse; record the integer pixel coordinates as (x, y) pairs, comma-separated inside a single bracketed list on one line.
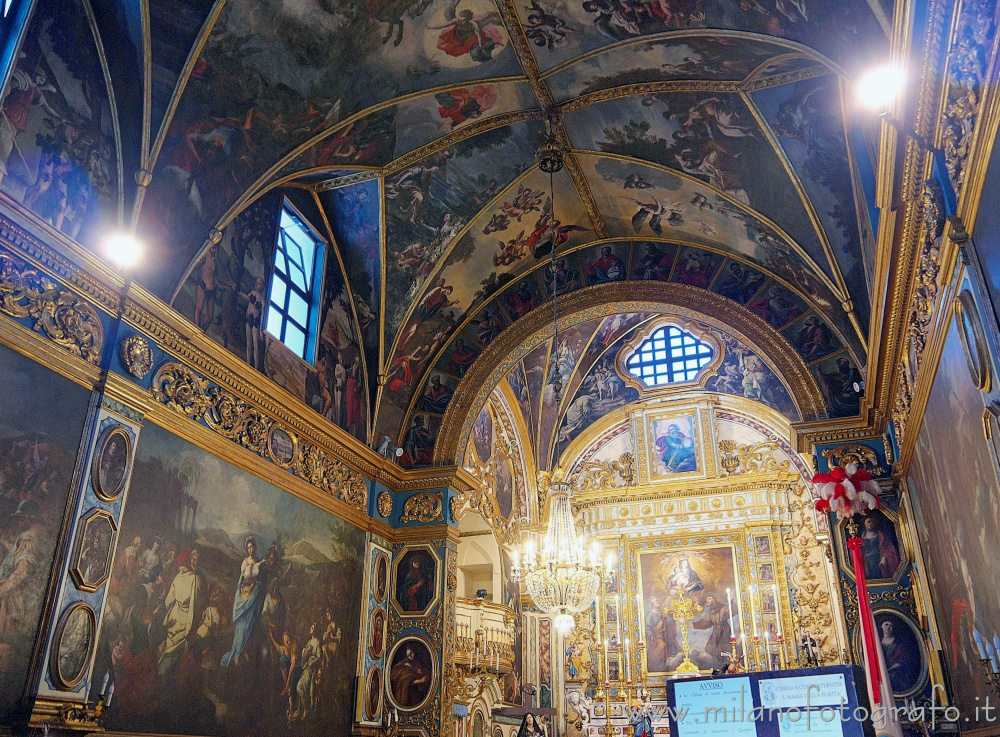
[(667, 298)]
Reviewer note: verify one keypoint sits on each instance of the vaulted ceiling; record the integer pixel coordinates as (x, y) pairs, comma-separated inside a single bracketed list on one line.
[(709, 143)]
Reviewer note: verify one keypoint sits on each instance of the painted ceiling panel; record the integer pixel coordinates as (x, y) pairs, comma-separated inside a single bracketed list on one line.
[(59, 156), (520, 232), (808, 121), (677, 57), (563, 29), (174, 26), (711, 136), (428, 204), (355, 219)]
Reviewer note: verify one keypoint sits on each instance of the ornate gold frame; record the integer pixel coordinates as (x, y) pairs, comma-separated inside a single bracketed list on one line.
[(847, 568), (378, 611), (918, 635), (75, 570), (974, 347), (438, 582), (114, 430), (58, 679), (380, 558), (431, 690), (369, 690), (693, 327)]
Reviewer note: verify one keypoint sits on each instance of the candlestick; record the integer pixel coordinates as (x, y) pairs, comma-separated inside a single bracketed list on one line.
[(597, 618), (993, 656), (979, 643), (111, 692), (732, 629), (627, 663), (104, 683), (996, 644), (743, 642), (618, 620), (767, 649), (777, 609)]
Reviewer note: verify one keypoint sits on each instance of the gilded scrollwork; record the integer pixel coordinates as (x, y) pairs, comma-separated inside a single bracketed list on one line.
[(427, 506), (607, 474), (136, 355), (737, 458), (384, 504), (178, 387), (968, 61), (60, 315), (860, 455)]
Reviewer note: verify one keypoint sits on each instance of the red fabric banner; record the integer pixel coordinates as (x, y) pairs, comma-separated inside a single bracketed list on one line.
[(867, 622)]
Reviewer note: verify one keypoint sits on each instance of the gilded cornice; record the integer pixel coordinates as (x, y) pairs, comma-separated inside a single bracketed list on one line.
[(606, 299), (713, 487), (181, 340)]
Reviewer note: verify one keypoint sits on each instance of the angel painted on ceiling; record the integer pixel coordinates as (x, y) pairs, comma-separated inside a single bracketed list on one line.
[(467, 33)]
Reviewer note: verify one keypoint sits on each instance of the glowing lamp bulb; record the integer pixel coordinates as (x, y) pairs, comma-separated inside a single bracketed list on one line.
[(879, 87), (123, 250), (564, 623)]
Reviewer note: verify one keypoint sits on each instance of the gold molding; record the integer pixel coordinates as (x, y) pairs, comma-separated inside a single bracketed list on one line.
[(181, 389), (605, 299), (426, 506), (58, 314)]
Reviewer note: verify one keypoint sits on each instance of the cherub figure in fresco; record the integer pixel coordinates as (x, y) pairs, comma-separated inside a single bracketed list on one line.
[(467, 33), (525, 201), (549, 233), (544, 29), (464, 104)]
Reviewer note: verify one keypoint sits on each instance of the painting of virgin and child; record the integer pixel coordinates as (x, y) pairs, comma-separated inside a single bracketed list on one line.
[(234, 611)]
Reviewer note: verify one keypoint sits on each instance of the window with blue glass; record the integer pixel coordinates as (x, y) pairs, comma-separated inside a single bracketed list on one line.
[(668, 356), (293, 298)]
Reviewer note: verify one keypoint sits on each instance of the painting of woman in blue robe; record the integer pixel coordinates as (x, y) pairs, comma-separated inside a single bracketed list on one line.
[(249, 600)]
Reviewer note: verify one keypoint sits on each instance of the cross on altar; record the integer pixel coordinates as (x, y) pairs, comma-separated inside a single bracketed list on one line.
[(683, 609)]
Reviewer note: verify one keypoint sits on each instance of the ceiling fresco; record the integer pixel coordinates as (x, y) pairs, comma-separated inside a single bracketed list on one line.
[(707, 143), (586, 354), (820, 345)]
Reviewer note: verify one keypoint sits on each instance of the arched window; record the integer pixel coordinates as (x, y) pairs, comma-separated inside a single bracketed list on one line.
[(293, 298), (668, 356)]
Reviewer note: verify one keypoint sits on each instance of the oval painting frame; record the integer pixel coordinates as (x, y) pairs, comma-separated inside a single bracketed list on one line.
[(380, 577), (105, 470), (909, 636), (423, 651), (376, 626), (69, 658), (373, 693)]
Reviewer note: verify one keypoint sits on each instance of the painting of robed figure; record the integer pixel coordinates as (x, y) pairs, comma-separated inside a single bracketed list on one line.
[(701, 576), (234, 610)]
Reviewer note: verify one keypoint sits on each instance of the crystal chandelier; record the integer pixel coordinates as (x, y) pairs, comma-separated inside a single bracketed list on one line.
[(562, 579)]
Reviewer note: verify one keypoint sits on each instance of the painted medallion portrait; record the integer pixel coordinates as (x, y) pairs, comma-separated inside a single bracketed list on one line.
[(902, 646), (701, 576), (92, 554), (675, 448), (380, 584), (373, 693), (74, 640), (416, 578), (880, 546), (111, 462), (376, 634), (412, 674)]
